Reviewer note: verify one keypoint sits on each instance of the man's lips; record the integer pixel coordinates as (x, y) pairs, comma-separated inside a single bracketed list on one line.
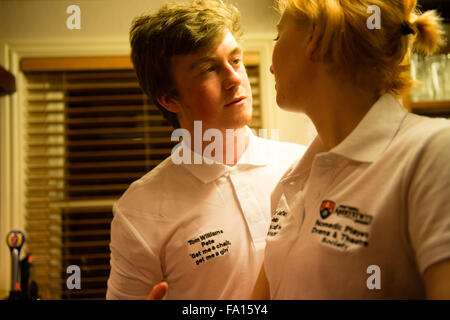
[(236, 101)]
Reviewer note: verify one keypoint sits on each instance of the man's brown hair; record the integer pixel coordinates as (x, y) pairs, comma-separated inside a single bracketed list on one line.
[(176, 29)]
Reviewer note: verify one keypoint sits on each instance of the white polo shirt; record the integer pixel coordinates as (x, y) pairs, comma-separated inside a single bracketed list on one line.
[(364, 220), (200, 227)]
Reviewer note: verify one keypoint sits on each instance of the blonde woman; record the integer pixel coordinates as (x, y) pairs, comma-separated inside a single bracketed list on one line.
[(365, 214)]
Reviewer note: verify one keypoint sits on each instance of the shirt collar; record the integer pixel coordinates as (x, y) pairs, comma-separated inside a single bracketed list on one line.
[(375, 132), (252, 157), (379, 126)]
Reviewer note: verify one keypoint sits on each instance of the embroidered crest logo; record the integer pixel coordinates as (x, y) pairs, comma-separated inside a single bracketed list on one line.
[(326, 209)]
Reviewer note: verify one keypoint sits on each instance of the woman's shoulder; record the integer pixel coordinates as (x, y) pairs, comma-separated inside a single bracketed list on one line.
[(421, 130), (423, 139)]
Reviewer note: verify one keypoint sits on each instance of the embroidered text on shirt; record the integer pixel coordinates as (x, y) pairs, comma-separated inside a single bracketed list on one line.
[(211, 247)]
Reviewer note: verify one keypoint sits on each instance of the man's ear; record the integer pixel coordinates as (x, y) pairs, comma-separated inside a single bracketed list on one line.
[(169, 103), (314, 33)]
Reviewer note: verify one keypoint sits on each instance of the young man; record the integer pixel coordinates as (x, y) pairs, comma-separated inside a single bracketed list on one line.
[(200, 227)]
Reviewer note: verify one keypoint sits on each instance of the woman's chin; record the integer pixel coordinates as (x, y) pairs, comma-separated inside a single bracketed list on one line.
[(289, 108)]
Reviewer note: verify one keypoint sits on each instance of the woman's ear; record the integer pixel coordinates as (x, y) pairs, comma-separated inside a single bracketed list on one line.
[(311, 46), (169, 103)]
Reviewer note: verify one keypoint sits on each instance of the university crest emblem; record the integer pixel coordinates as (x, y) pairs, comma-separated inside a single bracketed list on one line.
[(326, 209)]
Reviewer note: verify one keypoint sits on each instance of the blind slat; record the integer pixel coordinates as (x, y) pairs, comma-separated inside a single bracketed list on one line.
[(106, 141), (113, 130), (87, 120), (75, 64), (97, 110), (90, 99)]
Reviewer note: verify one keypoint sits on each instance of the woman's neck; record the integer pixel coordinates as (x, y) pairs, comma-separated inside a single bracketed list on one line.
[(337, 113)]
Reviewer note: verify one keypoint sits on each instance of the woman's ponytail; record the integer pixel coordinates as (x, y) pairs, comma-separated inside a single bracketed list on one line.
[(429, 32)]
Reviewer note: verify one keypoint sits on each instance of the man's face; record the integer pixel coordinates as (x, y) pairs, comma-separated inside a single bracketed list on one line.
[(213, 87)]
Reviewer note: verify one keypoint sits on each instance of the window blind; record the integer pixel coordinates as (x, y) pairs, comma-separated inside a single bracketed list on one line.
[(90, 132)]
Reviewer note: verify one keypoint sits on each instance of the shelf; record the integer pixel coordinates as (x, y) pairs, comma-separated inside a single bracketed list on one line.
[(431, 108), (431, 104)]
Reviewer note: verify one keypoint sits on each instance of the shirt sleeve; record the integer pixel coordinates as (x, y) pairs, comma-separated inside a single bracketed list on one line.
[(135, 267), (429, 202)]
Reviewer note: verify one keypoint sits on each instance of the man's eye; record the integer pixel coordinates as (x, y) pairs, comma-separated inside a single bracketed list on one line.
[(277, 38), (210, 69), (237, 61)]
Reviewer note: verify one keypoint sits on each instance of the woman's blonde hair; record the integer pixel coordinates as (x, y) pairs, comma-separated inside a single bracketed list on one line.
[(376, 57)]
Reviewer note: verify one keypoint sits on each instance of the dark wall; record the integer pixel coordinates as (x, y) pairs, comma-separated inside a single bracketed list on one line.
[(442, 6)]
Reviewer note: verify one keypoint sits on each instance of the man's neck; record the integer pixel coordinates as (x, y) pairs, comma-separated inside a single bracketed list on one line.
[(229, 144), (235, 145)]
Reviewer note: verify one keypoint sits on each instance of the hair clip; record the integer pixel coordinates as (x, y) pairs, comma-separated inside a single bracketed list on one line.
[(406, 28)]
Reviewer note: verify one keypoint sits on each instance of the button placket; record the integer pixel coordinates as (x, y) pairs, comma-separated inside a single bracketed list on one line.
[(250, 206), (322, 175)]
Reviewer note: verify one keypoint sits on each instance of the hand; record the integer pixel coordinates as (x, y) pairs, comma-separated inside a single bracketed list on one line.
[(159, 291), (436, 278)]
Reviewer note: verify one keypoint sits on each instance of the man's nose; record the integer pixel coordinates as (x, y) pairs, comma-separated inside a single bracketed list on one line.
[(271, 69), (233, 77)]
